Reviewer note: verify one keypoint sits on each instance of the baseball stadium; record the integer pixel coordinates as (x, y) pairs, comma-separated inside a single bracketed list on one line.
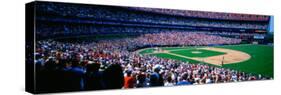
[(81, 47)]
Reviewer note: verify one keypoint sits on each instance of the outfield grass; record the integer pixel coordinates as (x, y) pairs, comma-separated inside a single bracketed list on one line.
[(165, 55), (150, 50), (168, 56), (261, 61), (204, 53)]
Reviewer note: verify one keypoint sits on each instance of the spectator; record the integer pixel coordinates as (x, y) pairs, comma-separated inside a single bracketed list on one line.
[(93, 78), (129, 81), (183, 80), (113, 77), (156, 79)]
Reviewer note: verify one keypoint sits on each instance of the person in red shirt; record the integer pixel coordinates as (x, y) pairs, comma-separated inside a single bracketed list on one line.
[(129, 81)]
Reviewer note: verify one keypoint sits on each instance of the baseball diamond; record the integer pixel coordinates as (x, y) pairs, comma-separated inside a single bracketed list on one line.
[(248, 58)]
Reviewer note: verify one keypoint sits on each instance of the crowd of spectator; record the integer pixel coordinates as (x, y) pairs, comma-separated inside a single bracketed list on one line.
[(203, 14), (184, 38), (107, 64), (124, 14), (174, 39), (52, 30), (231, 33)]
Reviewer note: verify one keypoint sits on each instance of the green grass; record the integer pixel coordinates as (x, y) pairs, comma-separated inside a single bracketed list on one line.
[(261, 61), (150, 50), (204, 53), (168, 56)]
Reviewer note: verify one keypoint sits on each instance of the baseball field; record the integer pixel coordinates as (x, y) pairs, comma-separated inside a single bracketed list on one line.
[(255, 59)]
